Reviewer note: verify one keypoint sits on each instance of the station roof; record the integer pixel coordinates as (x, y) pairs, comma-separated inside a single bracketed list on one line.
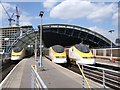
[(65, 35)]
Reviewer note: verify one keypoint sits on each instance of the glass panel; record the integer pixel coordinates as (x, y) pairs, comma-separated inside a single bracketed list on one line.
[(82, 48), (58, 48)]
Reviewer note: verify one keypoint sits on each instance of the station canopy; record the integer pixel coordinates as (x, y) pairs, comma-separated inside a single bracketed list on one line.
[(62, 34)]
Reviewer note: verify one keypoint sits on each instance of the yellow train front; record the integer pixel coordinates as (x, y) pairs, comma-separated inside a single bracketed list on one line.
[(57, 54), (17, 54), (81, 54)]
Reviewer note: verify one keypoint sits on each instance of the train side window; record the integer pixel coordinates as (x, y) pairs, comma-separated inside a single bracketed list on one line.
[(72, 49)]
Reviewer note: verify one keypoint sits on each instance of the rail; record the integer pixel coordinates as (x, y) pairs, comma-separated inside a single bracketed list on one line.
[(36, 81), (108, 78)]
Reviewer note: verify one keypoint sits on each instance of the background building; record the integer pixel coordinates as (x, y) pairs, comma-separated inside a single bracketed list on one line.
[(9, 34)]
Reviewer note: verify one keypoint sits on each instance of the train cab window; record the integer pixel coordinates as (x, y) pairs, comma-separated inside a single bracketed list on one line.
[(17, 49), (82, 48), (58, 48), (72, 49)]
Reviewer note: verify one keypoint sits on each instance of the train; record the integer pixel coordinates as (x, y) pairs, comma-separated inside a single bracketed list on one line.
[(81, 54), (105, 53), (19, 53), (57, 54)]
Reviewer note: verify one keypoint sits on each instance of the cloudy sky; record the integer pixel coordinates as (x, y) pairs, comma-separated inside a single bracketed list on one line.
[(97, 16)]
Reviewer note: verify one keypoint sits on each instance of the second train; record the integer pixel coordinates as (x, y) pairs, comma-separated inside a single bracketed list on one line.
[(79, 53)]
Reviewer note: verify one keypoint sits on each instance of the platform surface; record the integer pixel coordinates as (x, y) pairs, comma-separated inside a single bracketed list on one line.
[(108, 62), (54, 76), (21, 76)]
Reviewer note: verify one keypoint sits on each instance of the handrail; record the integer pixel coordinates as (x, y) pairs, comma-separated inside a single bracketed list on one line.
[(84, 76), (99, 68), (104, 75), (37, 82)]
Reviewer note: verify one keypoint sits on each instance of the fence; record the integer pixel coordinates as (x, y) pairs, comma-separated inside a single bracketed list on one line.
[(107, 77), (36, 81)]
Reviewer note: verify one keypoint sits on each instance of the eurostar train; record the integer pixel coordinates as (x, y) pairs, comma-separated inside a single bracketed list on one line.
[(57, 54), (81, 54), (20, 53)]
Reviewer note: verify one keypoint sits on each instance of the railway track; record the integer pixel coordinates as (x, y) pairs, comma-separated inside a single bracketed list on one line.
[(5, 68)]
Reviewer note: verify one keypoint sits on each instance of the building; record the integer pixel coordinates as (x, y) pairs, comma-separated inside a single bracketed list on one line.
[(9, 34)]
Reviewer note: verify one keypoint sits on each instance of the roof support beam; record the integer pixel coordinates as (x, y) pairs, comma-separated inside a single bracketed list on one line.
[(30, 38)]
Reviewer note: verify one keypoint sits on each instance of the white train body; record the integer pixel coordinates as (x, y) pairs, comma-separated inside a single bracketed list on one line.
[(57, 57), (80, 57), (20, 53)]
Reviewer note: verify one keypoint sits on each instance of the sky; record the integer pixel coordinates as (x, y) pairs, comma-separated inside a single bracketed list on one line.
[(92, 14)]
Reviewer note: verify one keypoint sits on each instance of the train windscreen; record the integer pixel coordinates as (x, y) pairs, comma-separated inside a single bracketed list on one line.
[(17, 49), (58, 48), (82, 48)]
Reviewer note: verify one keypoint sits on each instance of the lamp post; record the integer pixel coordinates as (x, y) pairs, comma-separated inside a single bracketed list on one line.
[(40, 61), (36, 49), (111, 43)]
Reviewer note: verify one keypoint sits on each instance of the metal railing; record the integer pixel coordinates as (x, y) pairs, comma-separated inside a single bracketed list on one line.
[(107, 77), (83, 77), (36, 81)]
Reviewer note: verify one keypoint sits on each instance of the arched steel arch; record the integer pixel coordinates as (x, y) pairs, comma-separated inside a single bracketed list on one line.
[(65, 35)]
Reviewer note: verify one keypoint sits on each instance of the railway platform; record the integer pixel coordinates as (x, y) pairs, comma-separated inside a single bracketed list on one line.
[(108, 62), (20, 76), (53, 76)]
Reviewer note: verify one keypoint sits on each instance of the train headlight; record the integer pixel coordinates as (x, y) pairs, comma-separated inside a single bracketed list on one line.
[(85, 57), (63, 56), (57, 56)]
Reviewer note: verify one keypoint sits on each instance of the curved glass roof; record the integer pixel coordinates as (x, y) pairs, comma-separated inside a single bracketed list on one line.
[(75, 32)]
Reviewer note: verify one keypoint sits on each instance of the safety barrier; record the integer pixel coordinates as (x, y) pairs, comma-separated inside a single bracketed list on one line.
[(84, 78), (36, 81), (108, 78)]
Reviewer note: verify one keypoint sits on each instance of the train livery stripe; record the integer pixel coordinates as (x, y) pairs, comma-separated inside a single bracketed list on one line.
[(17, 53), (58, 54), (83, 54)]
